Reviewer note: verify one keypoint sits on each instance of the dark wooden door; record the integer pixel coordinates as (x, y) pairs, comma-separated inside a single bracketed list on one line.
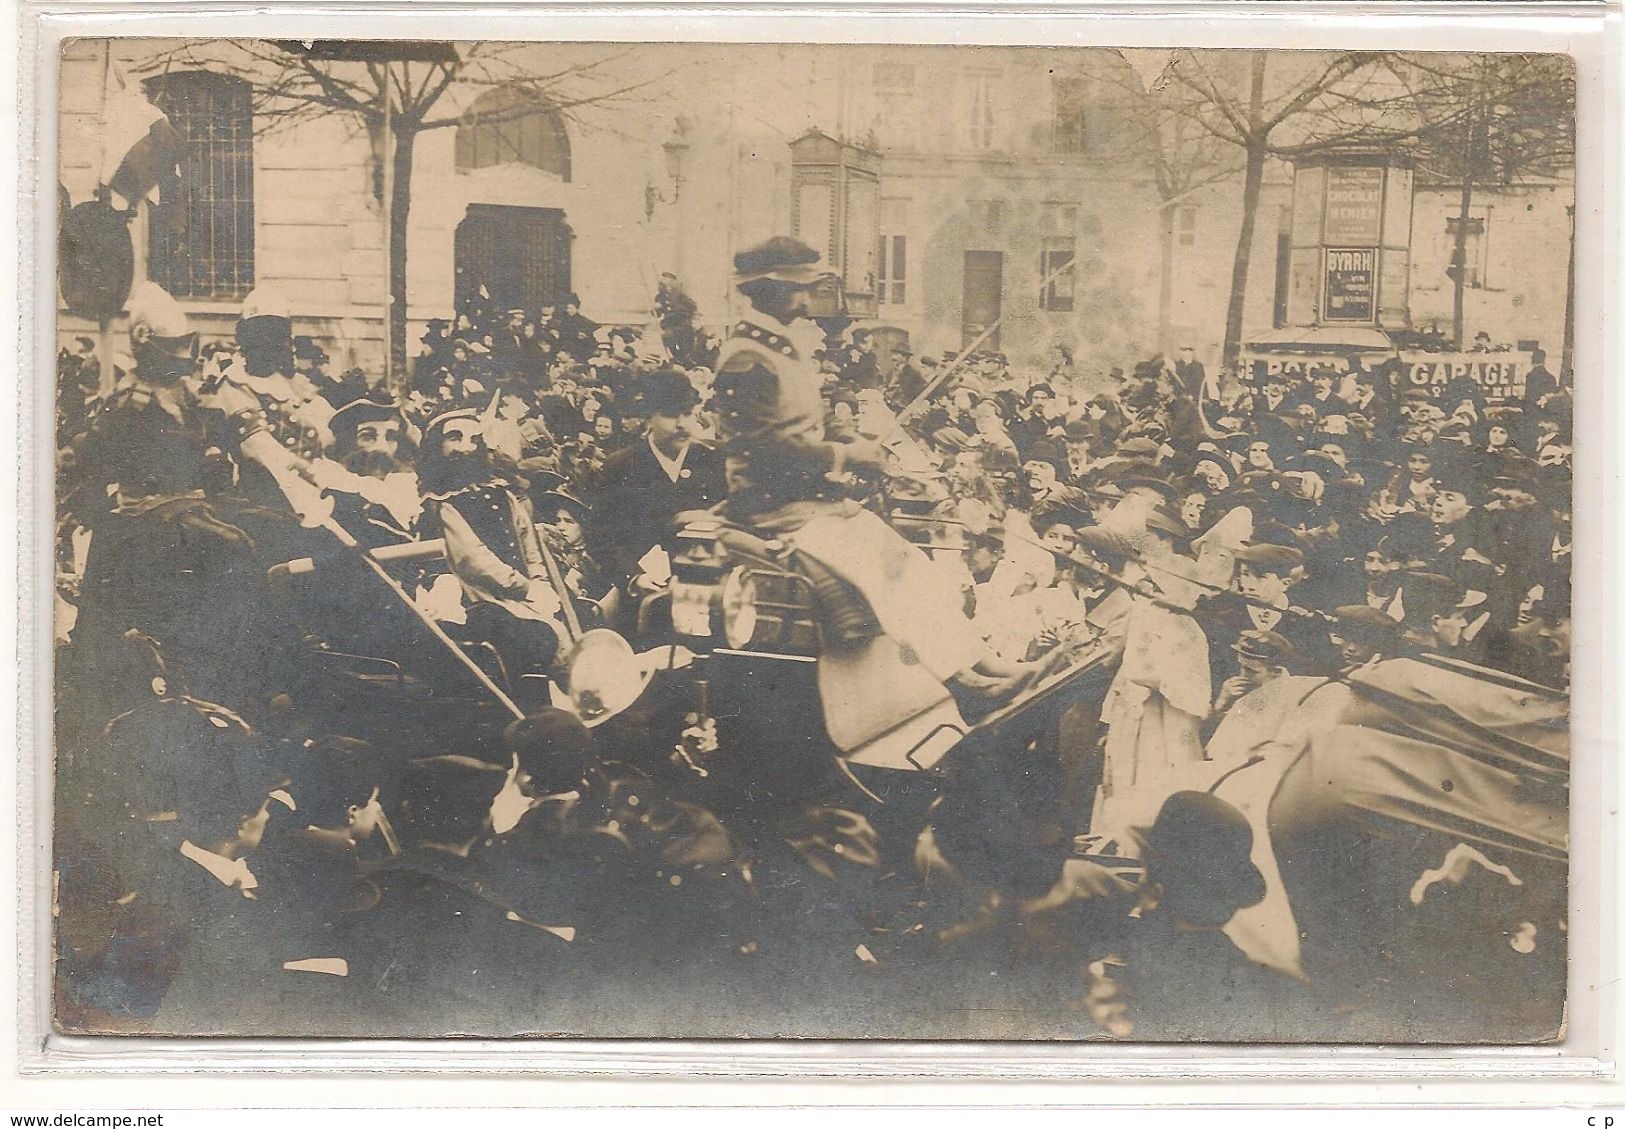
[(520, 255), (984, 296)]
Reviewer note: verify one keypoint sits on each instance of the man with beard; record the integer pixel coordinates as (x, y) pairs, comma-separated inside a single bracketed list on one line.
[(378, 500), (1034, 421), (491, 545)]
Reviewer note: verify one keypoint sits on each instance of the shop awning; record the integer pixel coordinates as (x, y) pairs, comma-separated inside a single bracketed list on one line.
[(1321, 339)]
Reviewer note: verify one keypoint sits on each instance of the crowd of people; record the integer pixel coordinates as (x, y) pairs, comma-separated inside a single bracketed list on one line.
[(285, 808)]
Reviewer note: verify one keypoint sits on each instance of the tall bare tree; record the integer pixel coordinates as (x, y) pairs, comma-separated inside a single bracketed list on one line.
[(1280, 106), (397, 91), (1150, 131), (1495, 121)]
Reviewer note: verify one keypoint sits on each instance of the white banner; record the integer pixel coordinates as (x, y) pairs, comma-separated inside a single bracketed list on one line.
[(1499, 374)]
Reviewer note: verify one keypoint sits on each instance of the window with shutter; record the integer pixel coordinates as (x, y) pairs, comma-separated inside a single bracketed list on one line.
[(1058, 252)]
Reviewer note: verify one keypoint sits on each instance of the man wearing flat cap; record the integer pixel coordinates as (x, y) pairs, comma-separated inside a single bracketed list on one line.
[(1443, 616), (1253, 705), (647, 483), (1265, 574), (1362, 635)]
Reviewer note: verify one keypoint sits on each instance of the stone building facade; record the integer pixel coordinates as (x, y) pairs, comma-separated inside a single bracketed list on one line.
[(992, 167)]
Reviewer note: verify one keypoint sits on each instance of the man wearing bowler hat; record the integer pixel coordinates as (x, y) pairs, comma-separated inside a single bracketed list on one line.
[(647, 483), (906, 381), (1181, 976)]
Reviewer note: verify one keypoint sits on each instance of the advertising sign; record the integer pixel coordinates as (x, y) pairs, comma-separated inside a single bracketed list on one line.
[(1499, 374), (1350, 290), (1295, 365), (1353, 206)]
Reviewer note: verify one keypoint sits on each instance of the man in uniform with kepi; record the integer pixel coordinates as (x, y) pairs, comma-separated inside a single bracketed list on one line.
[(786, 481)]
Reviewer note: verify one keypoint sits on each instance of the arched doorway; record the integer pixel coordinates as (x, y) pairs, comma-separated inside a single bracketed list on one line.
[(520, 255)]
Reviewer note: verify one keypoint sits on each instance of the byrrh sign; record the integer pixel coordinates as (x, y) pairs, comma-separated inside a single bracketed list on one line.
[(1350, 288)]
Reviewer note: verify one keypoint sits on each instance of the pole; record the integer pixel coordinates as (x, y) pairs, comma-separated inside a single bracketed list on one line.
[(555, 577), (1565, 370), (104, 353), (104, 324), (385, 148), (941, 378), (423, 617)]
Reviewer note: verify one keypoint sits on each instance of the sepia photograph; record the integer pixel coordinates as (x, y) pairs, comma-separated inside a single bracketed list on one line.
[(787, 541)]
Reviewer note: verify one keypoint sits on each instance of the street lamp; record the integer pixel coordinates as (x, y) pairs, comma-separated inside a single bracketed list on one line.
[(676, 149)]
